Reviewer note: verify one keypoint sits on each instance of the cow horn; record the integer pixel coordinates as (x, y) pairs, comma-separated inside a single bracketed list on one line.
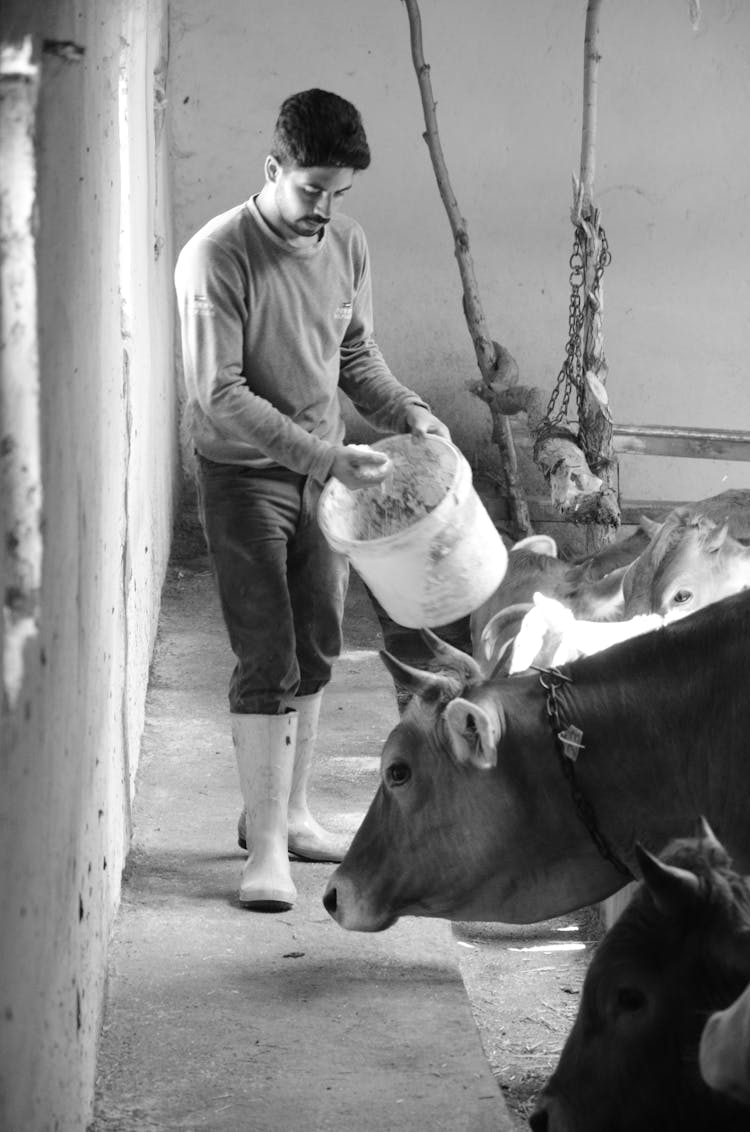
[(452, 659), (672, 889), (427, 685)]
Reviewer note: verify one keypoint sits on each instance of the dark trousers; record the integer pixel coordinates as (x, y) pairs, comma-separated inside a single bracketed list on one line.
[(408, 647), (282, 588)]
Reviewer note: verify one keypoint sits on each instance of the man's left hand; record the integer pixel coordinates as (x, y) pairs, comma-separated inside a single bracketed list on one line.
[(420, 422)]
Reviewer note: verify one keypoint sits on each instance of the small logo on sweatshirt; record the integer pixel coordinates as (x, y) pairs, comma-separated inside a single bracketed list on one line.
[(202, 305), (343, 310)]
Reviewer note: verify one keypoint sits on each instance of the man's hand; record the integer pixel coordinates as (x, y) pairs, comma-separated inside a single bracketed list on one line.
[(357, 465), (420, 422)]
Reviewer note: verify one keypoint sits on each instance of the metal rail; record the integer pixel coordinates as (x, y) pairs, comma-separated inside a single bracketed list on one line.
[(665, 440), (645, 440)]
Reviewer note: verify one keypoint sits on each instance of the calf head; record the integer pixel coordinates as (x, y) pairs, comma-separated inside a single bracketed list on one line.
[(680, 950), (690, 562)]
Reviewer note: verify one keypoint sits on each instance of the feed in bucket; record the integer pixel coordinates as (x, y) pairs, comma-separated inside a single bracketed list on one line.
[(421, 539)]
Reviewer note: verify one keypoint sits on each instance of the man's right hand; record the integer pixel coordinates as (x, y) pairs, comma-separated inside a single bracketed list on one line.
[(357, 465)]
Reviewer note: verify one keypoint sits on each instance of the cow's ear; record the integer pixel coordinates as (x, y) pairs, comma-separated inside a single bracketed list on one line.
[(474, 732), (714, 536), (501, 629), (537, 544), (649, 526), (673, 890)]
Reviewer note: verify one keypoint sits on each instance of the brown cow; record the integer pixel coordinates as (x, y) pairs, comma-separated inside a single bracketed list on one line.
[(680, 950), (488, 809)]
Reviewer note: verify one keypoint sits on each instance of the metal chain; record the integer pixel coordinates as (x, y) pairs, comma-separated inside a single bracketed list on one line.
[(567, 760), (571, 375)]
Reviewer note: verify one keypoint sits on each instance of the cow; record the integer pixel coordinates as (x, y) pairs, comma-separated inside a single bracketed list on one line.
[(517, 799), (724, 1053), (584, 588), (690, 562), (549, 634), (590, 587), (679, 951), (669, 569)]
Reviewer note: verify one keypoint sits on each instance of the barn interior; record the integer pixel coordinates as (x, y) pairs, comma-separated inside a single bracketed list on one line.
[(126, 124)]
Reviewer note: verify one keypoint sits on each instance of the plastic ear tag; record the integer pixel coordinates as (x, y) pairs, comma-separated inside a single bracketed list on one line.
[(570, 738)]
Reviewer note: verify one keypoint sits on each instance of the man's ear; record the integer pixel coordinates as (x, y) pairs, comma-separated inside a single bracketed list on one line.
[(272, 168), (474, 732)]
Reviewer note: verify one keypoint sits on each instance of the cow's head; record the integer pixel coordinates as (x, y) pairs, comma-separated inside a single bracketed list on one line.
[(690, 562), (412, 855), (680, 949)]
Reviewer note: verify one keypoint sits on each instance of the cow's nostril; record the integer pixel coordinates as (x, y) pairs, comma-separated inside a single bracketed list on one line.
[(538, 1120), (329, 901)]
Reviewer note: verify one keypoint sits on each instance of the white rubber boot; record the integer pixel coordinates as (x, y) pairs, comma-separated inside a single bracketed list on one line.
[(307, 838), (265, 746)]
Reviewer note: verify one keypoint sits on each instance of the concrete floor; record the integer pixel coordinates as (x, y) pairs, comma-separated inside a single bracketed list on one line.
[(223, 1019)]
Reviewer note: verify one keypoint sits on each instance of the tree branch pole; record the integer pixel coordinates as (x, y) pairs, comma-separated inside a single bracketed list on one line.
[(484, 347), (591, 58), (595, 420)]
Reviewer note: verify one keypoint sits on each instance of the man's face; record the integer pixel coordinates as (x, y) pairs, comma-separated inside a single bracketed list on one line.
[(305, 199)]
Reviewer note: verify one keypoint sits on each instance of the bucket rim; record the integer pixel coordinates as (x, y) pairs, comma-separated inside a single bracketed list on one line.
[(384, 540)]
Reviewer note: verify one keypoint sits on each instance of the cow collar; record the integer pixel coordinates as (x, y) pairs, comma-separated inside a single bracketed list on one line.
[(568, 745)]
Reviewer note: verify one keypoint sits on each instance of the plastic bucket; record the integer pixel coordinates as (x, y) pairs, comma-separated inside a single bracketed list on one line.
[(421, 540)]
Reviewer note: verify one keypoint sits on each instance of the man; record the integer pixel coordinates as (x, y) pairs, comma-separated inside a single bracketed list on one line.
[(276, 315)]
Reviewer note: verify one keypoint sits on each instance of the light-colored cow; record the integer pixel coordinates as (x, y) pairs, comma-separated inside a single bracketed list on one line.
[(725, 1049), (591, 590), (690, 562), (669, 569), (549, 635)]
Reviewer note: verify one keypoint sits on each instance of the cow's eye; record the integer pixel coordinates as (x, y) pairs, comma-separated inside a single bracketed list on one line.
[(630, 999), (398, 774), (682, 596)]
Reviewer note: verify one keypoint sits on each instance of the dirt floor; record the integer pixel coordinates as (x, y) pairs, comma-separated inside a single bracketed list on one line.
[(524, 985)]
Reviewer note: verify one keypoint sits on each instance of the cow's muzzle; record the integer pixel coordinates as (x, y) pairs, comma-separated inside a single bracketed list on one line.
[(349, 911)]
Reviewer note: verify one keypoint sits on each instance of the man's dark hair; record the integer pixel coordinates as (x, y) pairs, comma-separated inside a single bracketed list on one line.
[(316, 127)]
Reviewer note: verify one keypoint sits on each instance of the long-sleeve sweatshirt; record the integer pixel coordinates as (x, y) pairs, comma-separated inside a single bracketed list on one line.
[(270, 331)]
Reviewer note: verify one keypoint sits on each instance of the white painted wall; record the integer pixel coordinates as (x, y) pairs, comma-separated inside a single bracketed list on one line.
[(103, 412), (672, 180)]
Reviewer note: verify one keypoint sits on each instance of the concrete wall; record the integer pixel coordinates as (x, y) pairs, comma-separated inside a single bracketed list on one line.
[(672, 180), (88, 463)]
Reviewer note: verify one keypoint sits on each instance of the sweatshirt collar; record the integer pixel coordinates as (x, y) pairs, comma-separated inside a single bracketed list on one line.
[(301, 250)]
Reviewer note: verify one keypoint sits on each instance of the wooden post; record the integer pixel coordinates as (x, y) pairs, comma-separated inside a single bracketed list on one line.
[(594, 416), (488, 357)]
